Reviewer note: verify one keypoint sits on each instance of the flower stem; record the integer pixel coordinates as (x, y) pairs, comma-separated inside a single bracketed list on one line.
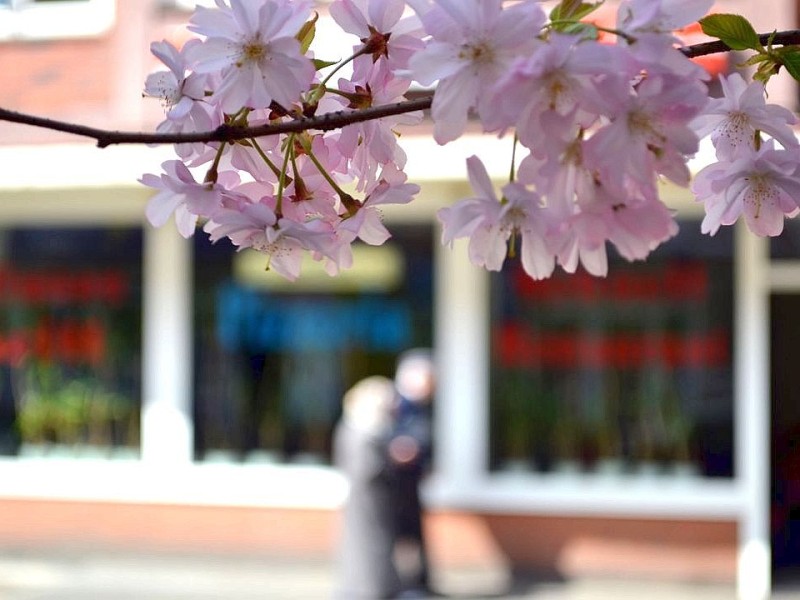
[(282, 175), (272, 166), (213, 170), (324, 172), (239, 119), (512, 174), (342, 64), (626, 36), (320, 90)]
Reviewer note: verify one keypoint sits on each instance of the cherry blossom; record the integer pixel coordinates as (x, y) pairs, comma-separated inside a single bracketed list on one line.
[(763, 185), (310, 195), (186, 198), (177, 88), (734, 120), (661, 16), (182, 93), (555, 78), (255, 225), (491, 223), (385, 34), (647, 129), (473, 44), (252, 45), (374, 143), (600, 125), (366, 223)]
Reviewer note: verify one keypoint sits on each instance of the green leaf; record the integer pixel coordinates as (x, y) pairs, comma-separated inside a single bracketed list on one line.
[(573, 10), (734, 30), (563, 9), (791, 60), (765, 72), (756, 59), (584, 30), (320, 64), (307, 32)]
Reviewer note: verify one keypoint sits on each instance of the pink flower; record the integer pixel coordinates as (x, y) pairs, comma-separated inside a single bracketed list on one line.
[(182, 93), (284, 241), (764, 185), (491, 224), (310, 196), (383, 31), (245, 157), (252, 44), (637, 16), (635, 225), (474, 42), (734, 119), (648, 132), (582, 239), (182, 195), (177, 89), (554, 79), (640, 227), (373, 143), (366, 224)]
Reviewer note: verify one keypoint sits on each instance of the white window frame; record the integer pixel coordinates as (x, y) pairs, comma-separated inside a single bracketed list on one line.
[(30, 20), (191, 4)]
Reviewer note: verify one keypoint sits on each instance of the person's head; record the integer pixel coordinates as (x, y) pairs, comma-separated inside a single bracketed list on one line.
[(368, 404), (415, 377)]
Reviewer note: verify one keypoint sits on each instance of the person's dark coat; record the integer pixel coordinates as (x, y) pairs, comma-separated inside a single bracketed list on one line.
[(413, 425)]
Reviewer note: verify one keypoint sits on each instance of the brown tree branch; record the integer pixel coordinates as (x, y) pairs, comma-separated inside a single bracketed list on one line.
[(224, 133), (782, 38), (325, 122)]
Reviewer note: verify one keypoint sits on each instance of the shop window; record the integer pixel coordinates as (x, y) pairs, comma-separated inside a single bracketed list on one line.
[(70, 330), (273, 359), (631, 373), (47, 19), (787, 245)]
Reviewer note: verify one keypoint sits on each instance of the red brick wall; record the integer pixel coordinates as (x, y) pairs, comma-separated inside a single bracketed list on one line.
[(29, 523), (685, 550), (55, 77), (577, 546), (95, 81)]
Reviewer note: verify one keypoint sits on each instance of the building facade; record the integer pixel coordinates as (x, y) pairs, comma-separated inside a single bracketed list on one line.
[(168, 394)]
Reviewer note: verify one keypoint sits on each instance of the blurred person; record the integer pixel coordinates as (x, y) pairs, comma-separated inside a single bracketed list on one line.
[(365, 560), (410, 450)]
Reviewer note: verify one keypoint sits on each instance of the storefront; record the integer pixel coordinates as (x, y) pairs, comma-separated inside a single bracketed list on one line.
[(622, 416)]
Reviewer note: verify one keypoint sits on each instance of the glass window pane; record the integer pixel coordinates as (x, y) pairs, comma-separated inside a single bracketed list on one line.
[(70, 330), (786, 245), (273, 359), (632, 372)]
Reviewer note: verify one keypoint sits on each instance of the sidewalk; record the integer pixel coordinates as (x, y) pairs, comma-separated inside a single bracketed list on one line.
[(94, 575)]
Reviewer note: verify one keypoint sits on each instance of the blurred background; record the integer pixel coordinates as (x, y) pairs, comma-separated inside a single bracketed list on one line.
[(162, 395)]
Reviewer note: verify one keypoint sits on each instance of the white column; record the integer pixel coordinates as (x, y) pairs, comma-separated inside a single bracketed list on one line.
[(167, 431), (462, 345), (752, 414)]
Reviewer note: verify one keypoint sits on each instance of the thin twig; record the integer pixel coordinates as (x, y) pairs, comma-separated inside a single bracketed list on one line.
[(782, 38), (224, 133), (325, 122)]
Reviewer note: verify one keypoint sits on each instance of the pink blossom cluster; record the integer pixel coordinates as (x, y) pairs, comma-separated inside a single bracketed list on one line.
[(288, 195), (598, 123), (601, 124), (752, 177)]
